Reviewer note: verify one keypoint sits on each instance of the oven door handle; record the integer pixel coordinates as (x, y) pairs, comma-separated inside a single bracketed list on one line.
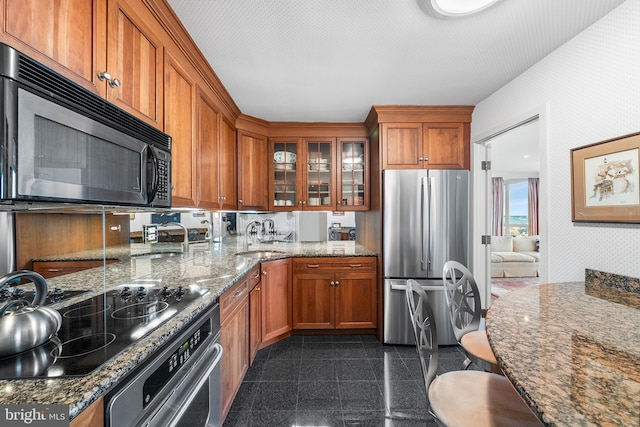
[(192, 395)]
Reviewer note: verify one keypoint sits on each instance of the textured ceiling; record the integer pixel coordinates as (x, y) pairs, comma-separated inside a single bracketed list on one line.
[(331, 60)]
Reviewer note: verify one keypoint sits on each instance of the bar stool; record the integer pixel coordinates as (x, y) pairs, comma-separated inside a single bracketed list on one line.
[(465, 312), (461, 398)]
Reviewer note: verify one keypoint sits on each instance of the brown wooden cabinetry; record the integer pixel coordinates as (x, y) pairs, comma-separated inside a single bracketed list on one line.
[(334, 293), (255, 313), (422, 137), (276, 293), (93, 416), (353, 174), (252, 171), (234, 338)]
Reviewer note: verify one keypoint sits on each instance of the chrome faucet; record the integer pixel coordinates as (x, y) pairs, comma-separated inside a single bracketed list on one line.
[(268, 228), (250, 226), (185, 242), (208, 235)]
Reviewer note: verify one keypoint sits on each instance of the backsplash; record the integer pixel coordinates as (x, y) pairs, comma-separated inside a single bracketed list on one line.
[(610, 280)]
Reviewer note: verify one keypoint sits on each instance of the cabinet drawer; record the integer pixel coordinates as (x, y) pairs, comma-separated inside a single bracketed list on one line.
[(254, 276), (325, 264), (233, 297), (49, 269)]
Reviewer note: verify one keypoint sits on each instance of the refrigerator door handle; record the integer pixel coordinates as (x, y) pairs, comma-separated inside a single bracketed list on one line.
[(396, 287), (423, 231)]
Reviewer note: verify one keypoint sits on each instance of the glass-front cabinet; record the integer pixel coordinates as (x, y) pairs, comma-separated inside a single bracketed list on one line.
[(284, 184), (319, 187), (319, 174), (353, 180)]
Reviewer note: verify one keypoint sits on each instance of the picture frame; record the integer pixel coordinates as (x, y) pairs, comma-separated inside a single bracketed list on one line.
[(605, 181)]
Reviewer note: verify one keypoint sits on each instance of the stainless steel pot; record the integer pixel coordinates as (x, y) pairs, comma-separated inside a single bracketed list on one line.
[(24, 326)]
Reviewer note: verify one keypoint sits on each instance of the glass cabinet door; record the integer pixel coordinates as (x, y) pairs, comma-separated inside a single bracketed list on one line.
[(354, 174), (285, 178), (319, 191)]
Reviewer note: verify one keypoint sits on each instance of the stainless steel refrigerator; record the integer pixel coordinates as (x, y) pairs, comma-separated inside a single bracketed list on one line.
[(425, 219)]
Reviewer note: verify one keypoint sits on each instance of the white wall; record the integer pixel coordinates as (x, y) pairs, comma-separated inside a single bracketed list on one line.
[(590, 91)]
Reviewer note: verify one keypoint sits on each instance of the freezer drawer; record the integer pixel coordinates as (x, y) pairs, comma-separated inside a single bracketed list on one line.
[(397, 323)]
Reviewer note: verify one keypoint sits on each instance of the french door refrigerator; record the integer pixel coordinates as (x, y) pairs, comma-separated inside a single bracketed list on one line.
[(425, 219)]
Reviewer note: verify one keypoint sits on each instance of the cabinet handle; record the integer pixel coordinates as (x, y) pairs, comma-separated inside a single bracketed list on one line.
[(332, 284), (103, 75), (240, 201), (313, 265), (355, 265), (255, 276), (339, 202), (53, 270), (237, 295), (114, 83), (337, 283), (264, 272), (421, 159)]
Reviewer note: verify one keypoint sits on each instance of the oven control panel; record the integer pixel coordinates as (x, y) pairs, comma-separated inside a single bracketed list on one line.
[(156, 381)]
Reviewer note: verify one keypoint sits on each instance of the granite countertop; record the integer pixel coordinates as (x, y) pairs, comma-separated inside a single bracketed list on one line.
[(572, 350), (213, 266)]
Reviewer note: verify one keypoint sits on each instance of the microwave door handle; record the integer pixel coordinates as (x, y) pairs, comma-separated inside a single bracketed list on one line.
[(151, 194)]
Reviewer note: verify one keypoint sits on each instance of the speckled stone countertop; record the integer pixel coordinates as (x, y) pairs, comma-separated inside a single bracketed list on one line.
[(571, 350), (214, 266)]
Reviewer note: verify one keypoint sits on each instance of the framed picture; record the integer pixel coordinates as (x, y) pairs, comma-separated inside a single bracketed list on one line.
[(605, 181)]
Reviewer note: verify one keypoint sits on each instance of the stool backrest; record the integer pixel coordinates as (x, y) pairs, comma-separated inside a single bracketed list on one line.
[(424, 329), (463, 298)]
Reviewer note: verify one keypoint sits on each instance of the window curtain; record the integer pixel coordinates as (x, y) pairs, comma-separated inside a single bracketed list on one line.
[(497, 221), (533, 206)]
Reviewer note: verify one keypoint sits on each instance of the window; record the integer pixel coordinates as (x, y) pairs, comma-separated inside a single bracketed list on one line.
[(516, 206)]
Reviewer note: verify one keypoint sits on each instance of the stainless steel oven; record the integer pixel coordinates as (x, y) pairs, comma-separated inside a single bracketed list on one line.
[(180, 386), (60, 142)]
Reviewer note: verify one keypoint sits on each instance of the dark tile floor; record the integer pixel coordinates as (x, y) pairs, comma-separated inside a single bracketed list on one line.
[(336, 380)]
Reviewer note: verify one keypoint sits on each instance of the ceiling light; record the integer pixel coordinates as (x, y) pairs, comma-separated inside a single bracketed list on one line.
[(460, 7)]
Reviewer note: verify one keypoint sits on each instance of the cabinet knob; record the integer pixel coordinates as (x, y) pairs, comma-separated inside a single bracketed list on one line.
[(264, 273), (337, 283), (103, 75), (338, 202), (240, 201), (114, 83), (426, 159), (332, 283), (421, 159)]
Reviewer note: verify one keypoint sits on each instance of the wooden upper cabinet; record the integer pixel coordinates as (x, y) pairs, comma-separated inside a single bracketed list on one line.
[(252, 171), (402, 145), (446, 145), (227, 166), (208, 141), (67, 32), (353, 174), (135, 59), (179, 110)]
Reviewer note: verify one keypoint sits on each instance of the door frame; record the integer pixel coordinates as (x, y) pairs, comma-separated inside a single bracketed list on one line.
[(480, 182)]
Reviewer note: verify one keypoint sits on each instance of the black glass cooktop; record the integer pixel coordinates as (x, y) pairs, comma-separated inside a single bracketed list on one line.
[(96, 329)]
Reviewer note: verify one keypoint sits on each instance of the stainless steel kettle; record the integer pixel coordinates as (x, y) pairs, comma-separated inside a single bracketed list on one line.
[(24, 326)]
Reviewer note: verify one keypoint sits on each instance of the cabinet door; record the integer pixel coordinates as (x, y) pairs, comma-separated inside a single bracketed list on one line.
[(227, 167), (135, 58), (252, 172), (402, 146), (207, 159), (255, 322), (276, 290), (179, 110), (353, 174), (234, 338), (285, 156), (446, 145), (356, 302), (320, 174), (66, 31), (313, 301)]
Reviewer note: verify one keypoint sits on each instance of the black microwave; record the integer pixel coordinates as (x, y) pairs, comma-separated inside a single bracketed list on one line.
[(63, 143)]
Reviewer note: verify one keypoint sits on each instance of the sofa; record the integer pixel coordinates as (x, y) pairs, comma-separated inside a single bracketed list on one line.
[(515, 256)]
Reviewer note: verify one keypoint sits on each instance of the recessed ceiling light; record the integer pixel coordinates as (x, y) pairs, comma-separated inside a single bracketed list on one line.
[(460, 7), (526, 156)]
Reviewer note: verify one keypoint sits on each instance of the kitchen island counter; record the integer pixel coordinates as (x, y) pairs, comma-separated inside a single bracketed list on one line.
[(216, 267)]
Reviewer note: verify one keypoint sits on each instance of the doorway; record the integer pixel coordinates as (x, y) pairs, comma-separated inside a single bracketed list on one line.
[(505, 148)]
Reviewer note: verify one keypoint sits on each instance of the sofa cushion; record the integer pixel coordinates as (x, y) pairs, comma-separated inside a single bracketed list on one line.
[(534, 255), (512, 257), (501, 243), (524, 243)]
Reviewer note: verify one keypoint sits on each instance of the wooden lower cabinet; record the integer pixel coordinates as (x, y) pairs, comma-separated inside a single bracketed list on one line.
[(93, 416), (234, 338), (255, 314), (334, 293), (276, 294)]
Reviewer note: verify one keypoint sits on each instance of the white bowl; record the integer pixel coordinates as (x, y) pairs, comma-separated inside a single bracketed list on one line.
[(284, 157)]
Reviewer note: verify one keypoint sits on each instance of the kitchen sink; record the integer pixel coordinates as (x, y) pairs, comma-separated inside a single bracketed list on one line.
[(260, 253), (155, 255)]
